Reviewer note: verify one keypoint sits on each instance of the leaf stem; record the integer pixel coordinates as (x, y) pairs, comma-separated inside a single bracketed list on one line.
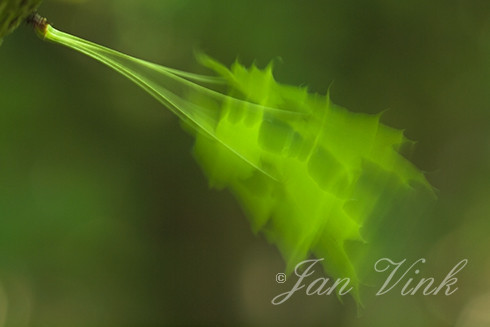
[(39, 23)]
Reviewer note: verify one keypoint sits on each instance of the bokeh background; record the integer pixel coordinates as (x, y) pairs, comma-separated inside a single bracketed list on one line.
[(106, 220)]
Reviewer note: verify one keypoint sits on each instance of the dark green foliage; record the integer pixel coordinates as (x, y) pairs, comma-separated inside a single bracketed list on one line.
[(13, 13)]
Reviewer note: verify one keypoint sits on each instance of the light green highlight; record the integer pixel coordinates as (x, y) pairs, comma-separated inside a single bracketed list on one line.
[(309, 173)]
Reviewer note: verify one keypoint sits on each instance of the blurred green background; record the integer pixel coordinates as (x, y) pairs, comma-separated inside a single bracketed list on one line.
[(106, 220)]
